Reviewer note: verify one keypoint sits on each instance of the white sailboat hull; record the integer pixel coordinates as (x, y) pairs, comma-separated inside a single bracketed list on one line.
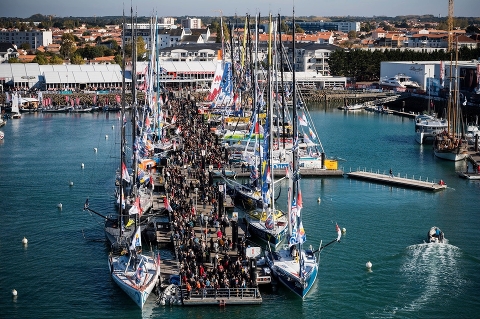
[(138, 288)]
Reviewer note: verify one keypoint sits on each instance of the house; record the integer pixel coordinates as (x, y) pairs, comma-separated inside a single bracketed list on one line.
[(7, 51)]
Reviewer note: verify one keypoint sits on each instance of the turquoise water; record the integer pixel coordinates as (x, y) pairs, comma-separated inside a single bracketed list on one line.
[(63, 270)]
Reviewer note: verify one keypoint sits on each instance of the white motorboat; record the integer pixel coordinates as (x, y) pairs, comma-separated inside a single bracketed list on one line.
[(428, 126), (435, 235), (399, 82)]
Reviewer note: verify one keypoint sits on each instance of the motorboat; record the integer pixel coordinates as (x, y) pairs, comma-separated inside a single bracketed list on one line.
[(399, 82), (435, 235), (428, 126)]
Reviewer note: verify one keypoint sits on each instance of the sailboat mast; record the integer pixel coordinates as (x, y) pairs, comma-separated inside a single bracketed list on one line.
[(280, 51), (122, 134), (270, 118)]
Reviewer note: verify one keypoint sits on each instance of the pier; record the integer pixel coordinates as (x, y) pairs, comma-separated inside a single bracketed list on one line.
[(398, 181)]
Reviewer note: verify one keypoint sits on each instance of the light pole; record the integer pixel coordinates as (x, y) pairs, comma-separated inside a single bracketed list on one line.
[(196, 212), (203, 159)]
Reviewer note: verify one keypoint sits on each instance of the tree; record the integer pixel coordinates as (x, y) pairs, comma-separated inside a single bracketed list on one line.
[(298, 29), (352, 34), (14, 60), (25, 46), (77, 59), (40, 58), (67, 45), (56, 60)]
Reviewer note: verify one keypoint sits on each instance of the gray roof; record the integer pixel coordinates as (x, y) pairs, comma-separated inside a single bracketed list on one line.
[(87, 73)]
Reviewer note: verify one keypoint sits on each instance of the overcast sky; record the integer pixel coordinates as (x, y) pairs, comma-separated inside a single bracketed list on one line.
[(195, 8)]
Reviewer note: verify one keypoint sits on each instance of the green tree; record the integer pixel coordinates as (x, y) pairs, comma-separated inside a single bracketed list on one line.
[(55, 59), (14, 60), (67, 45), (118, 59), (40, 58), (25, 46), (298, 29), (77, 59), (352, 34)]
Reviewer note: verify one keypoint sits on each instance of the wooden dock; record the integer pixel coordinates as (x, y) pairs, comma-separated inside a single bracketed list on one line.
[(304, 172), (474, 159), (398, 181)]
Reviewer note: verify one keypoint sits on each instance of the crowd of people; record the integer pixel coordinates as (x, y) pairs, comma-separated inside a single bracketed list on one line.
[(204, 258)]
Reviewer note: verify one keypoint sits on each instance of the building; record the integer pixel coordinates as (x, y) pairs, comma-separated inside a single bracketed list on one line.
[(34, 38), (436, 74), (7, 51), (191, 23), (316, 26)]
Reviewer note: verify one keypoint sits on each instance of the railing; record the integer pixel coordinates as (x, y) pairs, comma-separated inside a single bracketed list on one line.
[(221, 293)]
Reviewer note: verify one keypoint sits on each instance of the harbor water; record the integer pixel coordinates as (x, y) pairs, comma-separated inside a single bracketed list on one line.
[(52, 159)]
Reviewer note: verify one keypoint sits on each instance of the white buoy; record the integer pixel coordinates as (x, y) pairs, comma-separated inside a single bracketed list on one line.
[(106, 137), (113, 126), (14, 293), (24, 241), (368, 265), (71, 183), (59, 206), (95, 149), (344, 230), (319, 200), (82, 165)]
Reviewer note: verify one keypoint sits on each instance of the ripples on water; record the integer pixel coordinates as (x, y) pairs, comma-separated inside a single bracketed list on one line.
[(63, 270)]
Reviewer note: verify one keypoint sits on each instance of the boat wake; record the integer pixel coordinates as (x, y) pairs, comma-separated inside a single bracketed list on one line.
[(431, 273)]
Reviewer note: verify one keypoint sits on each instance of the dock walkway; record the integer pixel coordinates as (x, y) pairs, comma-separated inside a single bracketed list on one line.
[(398, 181), (222, 296)]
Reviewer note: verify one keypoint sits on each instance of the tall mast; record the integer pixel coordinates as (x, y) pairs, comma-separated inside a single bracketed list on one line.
[(122, 133)]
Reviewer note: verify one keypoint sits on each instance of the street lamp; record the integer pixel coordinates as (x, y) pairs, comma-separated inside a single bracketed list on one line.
[(196, 213), (203, 159)]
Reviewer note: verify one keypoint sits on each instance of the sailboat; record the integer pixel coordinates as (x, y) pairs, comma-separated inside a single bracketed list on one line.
[(16, 107), (450, 144), (268, 223), (296, 267), (135, 273)]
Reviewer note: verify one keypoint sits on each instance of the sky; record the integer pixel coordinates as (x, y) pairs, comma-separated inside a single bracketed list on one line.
[(198, 8)]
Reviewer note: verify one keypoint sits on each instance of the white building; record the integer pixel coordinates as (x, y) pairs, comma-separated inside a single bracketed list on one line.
[(35, 38), (191, 23)]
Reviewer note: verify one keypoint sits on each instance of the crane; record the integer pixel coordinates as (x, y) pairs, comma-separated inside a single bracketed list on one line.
[(450, 25)]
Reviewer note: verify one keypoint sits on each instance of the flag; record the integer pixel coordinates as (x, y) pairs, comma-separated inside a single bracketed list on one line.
[(166, 203), (339, 232), (125, 175), (178, 130), (174, 119), (136, 240), (310, 132), (306, 139), (299, 202), (293, 237), (269, 221), (302, 120), (139, 272), (301, 236)]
